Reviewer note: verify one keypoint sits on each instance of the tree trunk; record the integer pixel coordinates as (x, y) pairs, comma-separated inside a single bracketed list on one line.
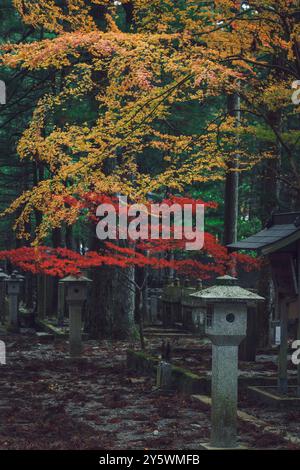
[(231, 196), (111, 309), (124, 302), (270, 196), (140, 313), (110, 313)]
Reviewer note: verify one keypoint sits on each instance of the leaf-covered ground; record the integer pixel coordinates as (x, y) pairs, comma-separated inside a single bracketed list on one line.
[(48, 401)]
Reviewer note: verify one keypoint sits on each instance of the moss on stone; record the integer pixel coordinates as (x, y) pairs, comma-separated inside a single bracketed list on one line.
[(182, 379)]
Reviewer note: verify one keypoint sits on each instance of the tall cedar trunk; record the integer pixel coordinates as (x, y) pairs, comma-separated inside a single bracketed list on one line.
[(231, 196), (110, 312), (52, 302), (69, 237), (140, 314), (141, 278), (124, 303), (50, 284), (39, 176), (269, 203)]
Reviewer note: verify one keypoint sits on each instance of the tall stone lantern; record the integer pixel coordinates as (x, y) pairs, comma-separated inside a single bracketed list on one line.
[(3, 278), (14, 284), (225, 325), (76, 295)]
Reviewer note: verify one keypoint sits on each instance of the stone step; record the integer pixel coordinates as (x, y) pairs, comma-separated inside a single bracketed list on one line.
[(164, 333), (44, 336), (61, 332), (252, 421)]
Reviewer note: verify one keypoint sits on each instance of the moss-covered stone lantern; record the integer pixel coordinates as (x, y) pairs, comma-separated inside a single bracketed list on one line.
[(76, 295), (225, 324)]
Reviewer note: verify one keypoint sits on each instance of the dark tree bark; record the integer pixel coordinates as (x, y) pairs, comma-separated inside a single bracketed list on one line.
[(270, 197), (231, 196), (110, 313)]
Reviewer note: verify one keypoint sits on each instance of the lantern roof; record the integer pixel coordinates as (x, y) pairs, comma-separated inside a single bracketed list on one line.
[(226, 290), (72, 278), (3, 275), (282, 230), (14, 278)]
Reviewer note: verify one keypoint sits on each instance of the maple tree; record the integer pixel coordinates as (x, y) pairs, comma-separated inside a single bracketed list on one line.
[(126, 251), (167, 55), (142, 253), (119, 73), (135, 77)]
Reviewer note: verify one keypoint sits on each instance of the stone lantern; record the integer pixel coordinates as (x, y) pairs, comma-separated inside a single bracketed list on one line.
[(3, 278), (76, 295), (21, 278), (225, 325), (14, 284)]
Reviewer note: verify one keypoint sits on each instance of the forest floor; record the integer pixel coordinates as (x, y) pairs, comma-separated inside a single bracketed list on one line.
[(48, 401)]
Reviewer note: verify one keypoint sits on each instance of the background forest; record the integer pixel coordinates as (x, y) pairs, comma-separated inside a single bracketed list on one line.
[(137, 97)]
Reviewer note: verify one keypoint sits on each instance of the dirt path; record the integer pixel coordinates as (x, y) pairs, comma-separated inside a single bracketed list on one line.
[(49, 402)]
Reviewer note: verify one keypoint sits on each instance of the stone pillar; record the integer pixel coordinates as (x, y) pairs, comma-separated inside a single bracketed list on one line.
[(153, 308), (40, 297), (76, 296), (224, 396), (226, 306), (13, 290), (61, 305), (3, 278), (13, 305), (75, 309), (2, 302), (283, 351)]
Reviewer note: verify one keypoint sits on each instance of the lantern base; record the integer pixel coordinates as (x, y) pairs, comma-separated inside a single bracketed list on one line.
[(13, 328), (270, 395), (208, 446), (75, 352)]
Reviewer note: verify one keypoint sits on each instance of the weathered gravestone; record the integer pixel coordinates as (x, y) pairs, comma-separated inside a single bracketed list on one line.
[(164, 369)]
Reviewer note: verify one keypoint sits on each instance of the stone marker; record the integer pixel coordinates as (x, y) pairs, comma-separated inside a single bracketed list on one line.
[(76, 288), (226, 323), (13, 283), (164, 369), (153, 308), (164, 376), (3, 278), (61, 305)]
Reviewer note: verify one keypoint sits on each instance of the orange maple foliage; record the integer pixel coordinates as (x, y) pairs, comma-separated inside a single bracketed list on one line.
[(170, 53)]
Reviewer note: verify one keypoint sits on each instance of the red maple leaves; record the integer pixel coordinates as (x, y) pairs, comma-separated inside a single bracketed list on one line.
[(213, 259)]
